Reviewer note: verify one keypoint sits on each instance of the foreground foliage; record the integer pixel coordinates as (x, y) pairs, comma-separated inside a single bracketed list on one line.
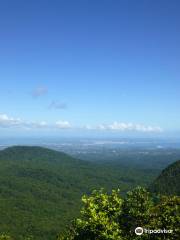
[(108, 217), (5, 237)]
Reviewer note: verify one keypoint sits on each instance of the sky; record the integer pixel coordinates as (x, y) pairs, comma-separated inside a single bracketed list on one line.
[(89, 67)]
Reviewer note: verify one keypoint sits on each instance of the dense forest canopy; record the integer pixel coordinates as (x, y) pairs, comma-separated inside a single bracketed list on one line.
[(40, 189)]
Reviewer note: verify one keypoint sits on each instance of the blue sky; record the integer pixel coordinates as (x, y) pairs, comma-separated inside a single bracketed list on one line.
[(89, 66)]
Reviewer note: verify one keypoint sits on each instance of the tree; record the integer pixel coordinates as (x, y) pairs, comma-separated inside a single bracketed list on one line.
[(99, 217), (109, 217), (5, 237), (136, 212), (166, 215)]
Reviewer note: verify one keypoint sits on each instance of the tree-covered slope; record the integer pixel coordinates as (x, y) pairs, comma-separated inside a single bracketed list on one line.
[(40, 189), (168, 182)]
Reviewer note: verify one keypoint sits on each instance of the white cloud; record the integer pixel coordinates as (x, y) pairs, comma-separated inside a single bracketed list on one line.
[(63, 125), (6, 121), (102, 127), (41, 124), (88, 127), (57, 105), (120, 126), (39, 91), (11, 122)]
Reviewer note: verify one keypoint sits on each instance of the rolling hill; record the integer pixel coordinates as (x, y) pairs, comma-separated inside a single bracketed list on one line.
[(168, 182), (40, 189)]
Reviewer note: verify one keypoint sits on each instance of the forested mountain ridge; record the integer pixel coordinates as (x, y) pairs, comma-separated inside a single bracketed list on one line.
[(40, 189), (168, 182)]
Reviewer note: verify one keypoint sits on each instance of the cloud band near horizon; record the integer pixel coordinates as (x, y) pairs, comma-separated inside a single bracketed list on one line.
[(11, 122)]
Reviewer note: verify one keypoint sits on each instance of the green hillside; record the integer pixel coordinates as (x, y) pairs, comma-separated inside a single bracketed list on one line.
[(168, 182), (40, 189)]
